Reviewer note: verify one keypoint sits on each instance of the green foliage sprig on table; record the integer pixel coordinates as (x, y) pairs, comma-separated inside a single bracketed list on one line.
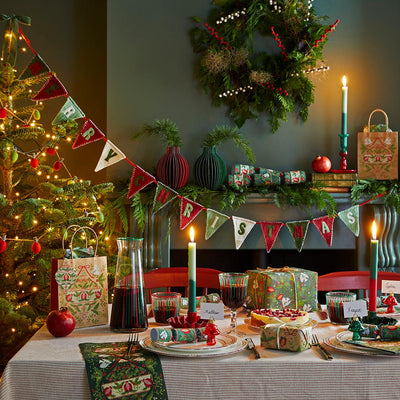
[(233, 70)]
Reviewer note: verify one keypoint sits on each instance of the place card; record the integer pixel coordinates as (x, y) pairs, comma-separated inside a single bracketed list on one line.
[(356, 308), (212, 310), (390, 286)]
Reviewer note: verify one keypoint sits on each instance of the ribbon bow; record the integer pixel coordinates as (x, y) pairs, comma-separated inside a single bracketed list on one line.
[(10, 43)]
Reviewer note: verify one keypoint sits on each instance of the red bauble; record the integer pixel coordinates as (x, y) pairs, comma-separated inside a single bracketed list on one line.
[(60, 322), (3, 113), (57, 165), (321, 164), (3, 245), (34, 163), (51, 151), (36, 247)]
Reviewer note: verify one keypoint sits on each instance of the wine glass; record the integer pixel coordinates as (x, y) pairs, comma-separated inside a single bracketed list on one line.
[(233, 292)]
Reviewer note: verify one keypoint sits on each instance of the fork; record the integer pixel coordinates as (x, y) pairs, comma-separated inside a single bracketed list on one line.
[(321, 350), (133, 339)]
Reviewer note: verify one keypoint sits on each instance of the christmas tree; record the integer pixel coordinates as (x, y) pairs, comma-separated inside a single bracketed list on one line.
[(37, 204)]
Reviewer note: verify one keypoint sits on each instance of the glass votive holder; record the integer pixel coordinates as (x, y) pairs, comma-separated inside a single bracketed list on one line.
[(334, 305), (165, 305)]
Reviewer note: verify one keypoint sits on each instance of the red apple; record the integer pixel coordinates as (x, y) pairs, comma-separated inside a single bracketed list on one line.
[(60, 322), (321, 164)]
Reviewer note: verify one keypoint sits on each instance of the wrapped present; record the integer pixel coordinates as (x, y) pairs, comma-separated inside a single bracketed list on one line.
[(209, 298), (286, 337), (244, 169), (293, 177), (239, 180), (267, 177), (282, 288)]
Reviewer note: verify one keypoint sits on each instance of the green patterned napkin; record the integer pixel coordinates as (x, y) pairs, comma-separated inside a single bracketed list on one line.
[(112, 377)]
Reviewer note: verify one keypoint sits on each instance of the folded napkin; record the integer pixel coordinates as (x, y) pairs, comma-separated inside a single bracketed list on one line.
[(209, 298), (111, 376), (183, 335)]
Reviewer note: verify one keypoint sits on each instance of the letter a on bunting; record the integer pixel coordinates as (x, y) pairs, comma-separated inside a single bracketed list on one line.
[(139, 180), (69, 110), (351, 219), (189, 211), (111, 154), (270, 231), (241, 228), (163, 196), (51, 89), (214, 222), (325, 228), (298, 230), (88, 134)]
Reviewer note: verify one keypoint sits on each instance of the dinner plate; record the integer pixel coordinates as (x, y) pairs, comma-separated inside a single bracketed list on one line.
[(236, 347), (309, 323)]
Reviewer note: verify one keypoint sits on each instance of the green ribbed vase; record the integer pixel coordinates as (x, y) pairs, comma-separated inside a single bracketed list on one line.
[(210, 169)]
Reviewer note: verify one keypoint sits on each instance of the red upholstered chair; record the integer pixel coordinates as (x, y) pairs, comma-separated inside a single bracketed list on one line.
[(177, 277), (352, 280)]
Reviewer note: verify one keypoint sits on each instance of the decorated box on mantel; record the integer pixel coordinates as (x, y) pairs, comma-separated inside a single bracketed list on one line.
[(282, 288)]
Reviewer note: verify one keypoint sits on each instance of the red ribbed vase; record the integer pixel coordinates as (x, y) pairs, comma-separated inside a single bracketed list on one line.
[(173, 168)]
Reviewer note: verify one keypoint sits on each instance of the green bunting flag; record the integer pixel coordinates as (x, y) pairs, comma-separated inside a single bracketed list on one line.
[(164, 194), (69, 110), (242, 228), (351, 219), (36, 67), (214, 221), (298, 230)]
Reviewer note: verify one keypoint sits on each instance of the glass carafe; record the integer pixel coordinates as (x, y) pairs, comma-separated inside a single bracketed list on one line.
[(128, 312)]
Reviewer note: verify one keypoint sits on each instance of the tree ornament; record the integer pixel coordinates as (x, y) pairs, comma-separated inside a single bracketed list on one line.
[(3, 244), (34, 162), (99, 216), (211, 331), (51, 151), (390, 301), (36, 247), (14, 156), (36, 115), (3, 113), (57, 165)]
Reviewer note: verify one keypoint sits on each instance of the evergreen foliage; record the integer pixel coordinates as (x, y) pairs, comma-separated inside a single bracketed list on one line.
[(165, 129)]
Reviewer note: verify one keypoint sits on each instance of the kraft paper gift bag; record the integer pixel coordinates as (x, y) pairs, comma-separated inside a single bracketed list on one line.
[(79, 282), (378, 152)]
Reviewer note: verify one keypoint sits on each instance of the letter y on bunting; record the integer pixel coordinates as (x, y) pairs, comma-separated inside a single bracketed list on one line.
[(325, 228), (163, 196), (214, 222), (298, 230), (189, 211), (270, 231), (111, 154), (139, 180), (242, 228), (88, 134), (51, 89)]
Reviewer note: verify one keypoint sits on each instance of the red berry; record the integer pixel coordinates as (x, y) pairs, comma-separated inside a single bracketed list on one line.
[(3, 113), (51, 151), (34, 163)]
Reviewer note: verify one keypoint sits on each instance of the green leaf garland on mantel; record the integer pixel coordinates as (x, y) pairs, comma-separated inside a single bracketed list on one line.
[(255, 57)]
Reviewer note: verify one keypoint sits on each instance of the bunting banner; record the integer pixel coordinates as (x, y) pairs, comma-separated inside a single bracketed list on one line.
[(164, 195), (69, 110), (111, 155), (88, 134), (189, 211), (298, 230), (140, 179), (325, 228), (270, 231), (214, 221), (36, 67), (351, 218), (50, 90), (241, 227)]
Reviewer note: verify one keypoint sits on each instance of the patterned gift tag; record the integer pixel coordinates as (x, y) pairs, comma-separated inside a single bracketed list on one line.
[(66, 274)]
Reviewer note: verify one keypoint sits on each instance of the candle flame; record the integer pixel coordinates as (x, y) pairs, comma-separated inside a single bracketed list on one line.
[(374, 230), (344, 80), (191, 233)]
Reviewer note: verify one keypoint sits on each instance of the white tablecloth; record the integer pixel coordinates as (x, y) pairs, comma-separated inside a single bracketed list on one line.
[(49, 368)]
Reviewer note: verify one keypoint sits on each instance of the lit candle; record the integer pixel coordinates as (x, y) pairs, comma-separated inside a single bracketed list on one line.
[(192, 272), (373, 274), (344, 105)]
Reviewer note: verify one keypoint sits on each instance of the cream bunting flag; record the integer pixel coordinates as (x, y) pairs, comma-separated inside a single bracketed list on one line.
[(242, 228), (111, 154)]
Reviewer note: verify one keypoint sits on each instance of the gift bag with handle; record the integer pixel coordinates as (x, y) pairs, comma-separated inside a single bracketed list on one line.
[(378, 152), (79, 282)]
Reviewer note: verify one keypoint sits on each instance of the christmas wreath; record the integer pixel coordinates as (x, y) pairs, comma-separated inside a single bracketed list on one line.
[(257, 55)]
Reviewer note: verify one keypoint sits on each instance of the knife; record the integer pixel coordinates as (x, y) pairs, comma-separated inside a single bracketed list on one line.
[(252, 347)]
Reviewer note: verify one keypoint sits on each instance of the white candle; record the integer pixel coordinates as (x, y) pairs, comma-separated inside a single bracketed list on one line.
[(192, 272), (344, 105)]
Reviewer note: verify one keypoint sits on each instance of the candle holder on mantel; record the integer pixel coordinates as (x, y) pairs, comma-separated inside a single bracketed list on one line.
[(343, 156)]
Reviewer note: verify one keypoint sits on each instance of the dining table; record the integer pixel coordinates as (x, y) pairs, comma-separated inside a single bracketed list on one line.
[(50, 368)]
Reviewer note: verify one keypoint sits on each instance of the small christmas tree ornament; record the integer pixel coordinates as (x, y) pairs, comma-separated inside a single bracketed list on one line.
[(99, 216), (34, 162), (14, 156), (3, 113), (51, 151), (356, 327), (3, 244), (57, 165), (36, 115), (390, 301), (211, 331), (36, 246)]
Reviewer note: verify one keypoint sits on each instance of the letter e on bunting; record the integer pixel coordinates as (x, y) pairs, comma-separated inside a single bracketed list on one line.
[(139, 180), (51, 89), (111, 154), (242, 228), (164, 194), (189, 211), (298, 230), (214, 221), (351, 219), (88, 134), (270, 231), (325, 227)]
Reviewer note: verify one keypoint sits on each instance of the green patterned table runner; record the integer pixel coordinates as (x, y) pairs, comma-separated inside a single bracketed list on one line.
[(113, 377)]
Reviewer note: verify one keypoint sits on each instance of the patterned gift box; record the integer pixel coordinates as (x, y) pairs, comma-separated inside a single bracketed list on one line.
[(239, 180), (286, 337), (282, 288), (293, 177), (244, 169), (267, 177)]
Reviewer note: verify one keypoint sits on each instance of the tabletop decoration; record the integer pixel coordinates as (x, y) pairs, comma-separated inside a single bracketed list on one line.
[(390, 301), (357, 328), (184, 335), (211, 331), (208, 298), (111, 376)]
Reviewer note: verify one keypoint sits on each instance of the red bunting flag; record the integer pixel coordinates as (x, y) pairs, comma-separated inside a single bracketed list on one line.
[(325, 228), (51, 89), (89, 133), (189, 211), (270, 231), (139, 180)]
